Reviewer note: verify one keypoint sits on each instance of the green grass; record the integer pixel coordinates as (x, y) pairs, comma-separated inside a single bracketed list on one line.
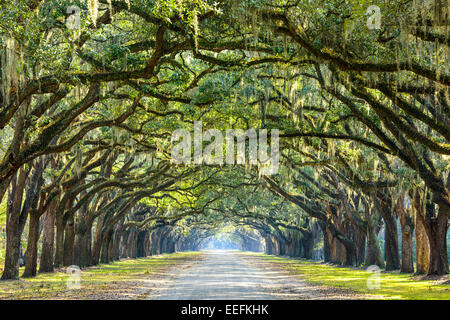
[(108, 281), (392, 285)]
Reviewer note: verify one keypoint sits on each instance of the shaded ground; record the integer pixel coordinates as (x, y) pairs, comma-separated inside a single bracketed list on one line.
[(232, 275)]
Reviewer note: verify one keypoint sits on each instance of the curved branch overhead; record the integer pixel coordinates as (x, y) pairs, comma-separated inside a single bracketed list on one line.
[(88, 115)]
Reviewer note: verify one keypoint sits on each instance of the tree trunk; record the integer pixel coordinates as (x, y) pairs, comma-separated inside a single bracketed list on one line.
[(88, 246), (32, 246), (78, 244), (46, 261), (130, 239), (69, 237), (308, 246), (407, 226), (390, 239), (97, 246), (116, 248), (407, 265), (35, 216), (437, 236), (11, 268), (81, 246), (436, 225), (422, 247), (373, 252), (59, 252), (104, 247), (13, 234), (326, 243)]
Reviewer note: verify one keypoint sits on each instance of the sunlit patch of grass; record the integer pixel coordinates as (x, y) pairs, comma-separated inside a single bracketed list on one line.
[(391, 285), (118, 278)]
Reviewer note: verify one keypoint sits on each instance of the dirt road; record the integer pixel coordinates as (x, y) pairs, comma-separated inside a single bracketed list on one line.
[(229, 275)]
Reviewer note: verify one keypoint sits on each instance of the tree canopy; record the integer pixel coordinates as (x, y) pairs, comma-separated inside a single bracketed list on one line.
[(93, 90)]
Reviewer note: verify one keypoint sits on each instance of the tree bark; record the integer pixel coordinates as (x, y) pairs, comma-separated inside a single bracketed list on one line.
[(407, 225), (48, 238), (407, 228), (326, 243), (390, 240), (437, 235), (373, 252), (69, 237), (96, 248), (11, 269), (422, 247), (59, 252), (32, 246)]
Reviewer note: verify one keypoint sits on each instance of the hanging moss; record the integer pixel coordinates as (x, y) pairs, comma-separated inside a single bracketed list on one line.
[(93, 10), (196, 28), (10, 77)]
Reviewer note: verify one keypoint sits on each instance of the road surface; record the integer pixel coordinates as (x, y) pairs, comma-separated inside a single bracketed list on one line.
[(228, 275)]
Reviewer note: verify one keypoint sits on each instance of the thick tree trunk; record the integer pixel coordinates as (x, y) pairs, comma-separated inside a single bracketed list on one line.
[(11, 269), (32, 246), (326, 243), (88, 246), (390, 240), (82, 246), (342, 252), (59, 252), (437, 236), (282, 247), (111, 246), (268, 245), (407, 226), (78, 244), (129, 243), (308, 246), (360, 240), (123, 245), (116, 247), (133, 246), (436, 225), (104, 257), (373, 252), (97, 246), (35, 216), (422, 248), (407, 265), (69, 237), (46, 261), (422, 242), (140, 244), (104, 250)]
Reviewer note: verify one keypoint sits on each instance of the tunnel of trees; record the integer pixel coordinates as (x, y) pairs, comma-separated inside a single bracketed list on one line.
[(91, 92)]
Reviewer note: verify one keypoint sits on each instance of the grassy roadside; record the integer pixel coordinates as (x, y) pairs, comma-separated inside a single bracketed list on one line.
[(123, 279), (392, 285)]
